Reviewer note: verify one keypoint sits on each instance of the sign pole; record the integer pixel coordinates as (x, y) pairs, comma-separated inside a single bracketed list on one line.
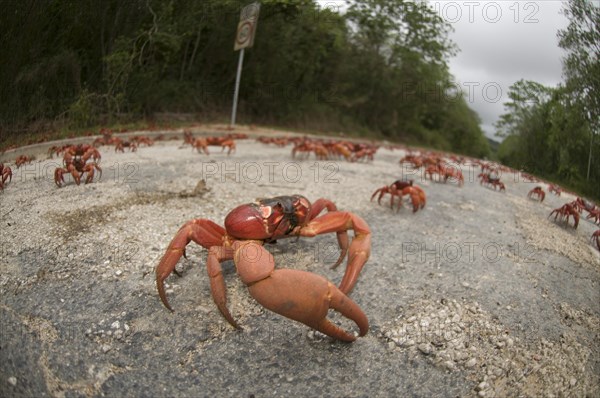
[(237, 87), (244, 37)]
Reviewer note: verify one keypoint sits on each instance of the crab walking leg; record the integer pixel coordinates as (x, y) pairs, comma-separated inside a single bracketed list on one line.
[(342, 236), (216, 255), (360, 248), (89, 168), (302, 296), (395, 192), (415, 197), (381, 192), (202, 231), (75, 174)]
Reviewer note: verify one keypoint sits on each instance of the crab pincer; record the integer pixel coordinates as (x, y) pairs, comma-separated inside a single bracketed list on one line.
[(302, 296)]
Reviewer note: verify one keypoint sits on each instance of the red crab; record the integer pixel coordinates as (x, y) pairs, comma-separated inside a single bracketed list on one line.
[(596, 237), (555, 189), (298, 295), (538, 192), (76, 163), (566, 211), (5, 174), (400, 188), (23, 159)]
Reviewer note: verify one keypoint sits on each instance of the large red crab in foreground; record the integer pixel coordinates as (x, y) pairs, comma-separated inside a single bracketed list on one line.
[(76, 163), (298, 295), (400, 188)]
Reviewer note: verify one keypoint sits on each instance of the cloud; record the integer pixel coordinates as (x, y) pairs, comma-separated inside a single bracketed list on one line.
[(501, 43)]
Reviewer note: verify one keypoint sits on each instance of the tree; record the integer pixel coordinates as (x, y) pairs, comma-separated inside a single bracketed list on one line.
[(581, 66)]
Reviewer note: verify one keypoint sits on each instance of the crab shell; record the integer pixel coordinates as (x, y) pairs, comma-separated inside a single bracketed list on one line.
[(268, 219)]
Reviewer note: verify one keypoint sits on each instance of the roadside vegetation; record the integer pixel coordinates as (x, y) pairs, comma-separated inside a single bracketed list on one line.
[(378, 70)]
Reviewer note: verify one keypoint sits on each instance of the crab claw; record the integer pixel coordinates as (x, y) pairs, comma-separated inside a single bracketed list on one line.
[(302, 296), (358, 251)]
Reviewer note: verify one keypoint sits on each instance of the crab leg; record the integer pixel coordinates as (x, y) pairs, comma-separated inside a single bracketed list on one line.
[(417, 197), (359, 249), (342, 236), (381, 192), (202, 231), (216, 255), (302, 296)]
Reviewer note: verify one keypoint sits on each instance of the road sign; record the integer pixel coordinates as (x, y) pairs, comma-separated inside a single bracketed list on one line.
[(244, 36)]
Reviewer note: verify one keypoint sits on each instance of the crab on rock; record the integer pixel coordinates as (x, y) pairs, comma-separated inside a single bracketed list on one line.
[(298, 295)]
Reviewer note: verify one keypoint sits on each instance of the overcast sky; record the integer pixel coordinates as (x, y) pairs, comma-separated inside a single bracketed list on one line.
[(500, 43)]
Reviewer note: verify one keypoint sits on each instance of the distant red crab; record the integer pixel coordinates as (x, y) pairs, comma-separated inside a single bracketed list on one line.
[(538, 192), (76, 163), (596, 237), (555, 189), (399, 188), (23, 159), (298, 295), (566, 211), (5, 174)]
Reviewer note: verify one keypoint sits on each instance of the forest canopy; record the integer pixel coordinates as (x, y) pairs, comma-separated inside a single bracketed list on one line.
[(554, 132), (378, 69)]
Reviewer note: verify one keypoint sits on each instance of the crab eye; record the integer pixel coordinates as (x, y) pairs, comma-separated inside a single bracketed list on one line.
[(301, 209), (265, 211)]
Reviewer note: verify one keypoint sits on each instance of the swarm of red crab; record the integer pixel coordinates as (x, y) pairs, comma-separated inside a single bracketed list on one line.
[(329, 149), (77, 163), (445, 172), (201, 144), (298, 295)]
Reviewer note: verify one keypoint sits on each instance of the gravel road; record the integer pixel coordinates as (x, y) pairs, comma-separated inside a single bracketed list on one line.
[(479, 294)]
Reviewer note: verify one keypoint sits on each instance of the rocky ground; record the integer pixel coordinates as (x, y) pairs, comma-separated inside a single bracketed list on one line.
[(479, 294)]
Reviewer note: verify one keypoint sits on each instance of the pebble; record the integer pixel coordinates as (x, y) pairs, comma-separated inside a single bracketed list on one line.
[(106, 348), (449, 365), (425, 348), (12, 381), (471, 362)]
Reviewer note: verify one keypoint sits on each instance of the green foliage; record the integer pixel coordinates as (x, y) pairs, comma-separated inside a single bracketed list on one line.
[(380, 68), (83, 112), (555, 132)]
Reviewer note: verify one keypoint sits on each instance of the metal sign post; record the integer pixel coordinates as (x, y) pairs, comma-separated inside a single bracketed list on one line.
[(237, 87), (244, 38)]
